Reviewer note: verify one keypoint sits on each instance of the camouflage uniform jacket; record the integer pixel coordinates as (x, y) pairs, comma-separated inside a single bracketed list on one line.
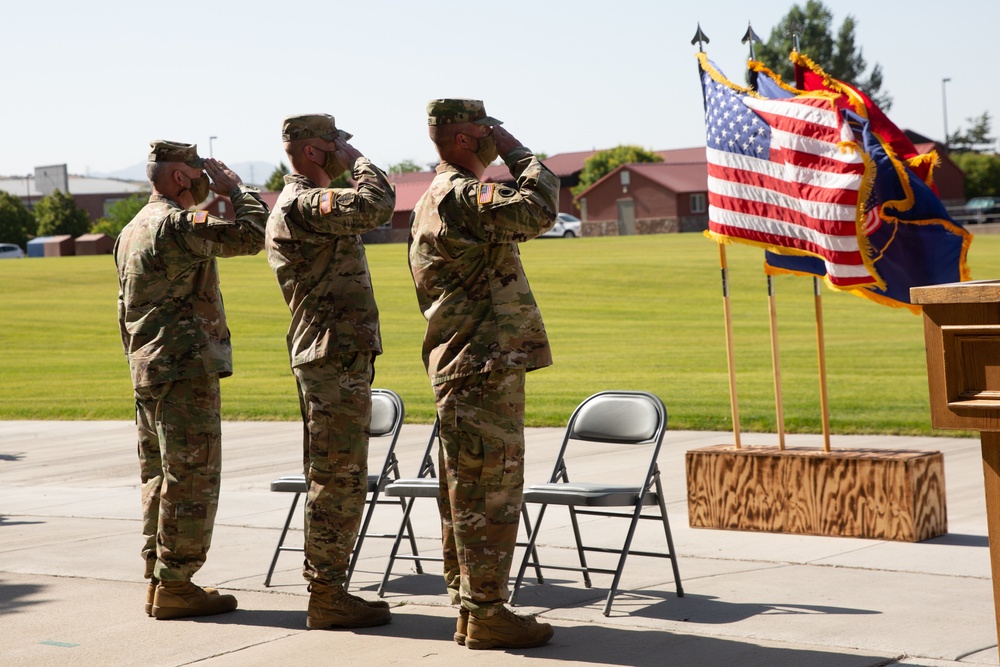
[(315, 248), (471, 287), (170, 312)]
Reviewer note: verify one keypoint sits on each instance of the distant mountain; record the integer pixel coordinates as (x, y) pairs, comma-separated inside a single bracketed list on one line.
[(253, 173)]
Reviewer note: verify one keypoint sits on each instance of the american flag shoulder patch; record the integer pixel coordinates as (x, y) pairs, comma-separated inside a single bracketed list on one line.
[(326, 202), (200, 217), (486, 193)]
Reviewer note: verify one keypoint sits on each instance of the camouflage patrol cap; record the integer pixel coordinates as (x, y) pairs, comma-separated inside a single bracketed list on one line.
[(444, 112), (311, 125), (161, 150)]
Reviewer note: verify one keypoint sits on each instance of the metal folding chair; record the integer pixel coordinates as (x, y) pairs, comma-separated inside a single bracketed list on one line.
[(616, 418), (424, 485), (386, 422)]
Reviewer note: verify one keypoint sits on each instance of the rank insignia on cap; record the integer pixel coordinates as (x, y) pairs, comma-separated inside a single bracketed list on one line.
[(326, 202), (200, 217), (486, 193)]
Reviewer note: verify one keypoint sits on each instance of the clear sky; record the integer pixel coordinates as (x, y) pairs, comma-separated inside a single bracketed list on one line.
[(90, 84)]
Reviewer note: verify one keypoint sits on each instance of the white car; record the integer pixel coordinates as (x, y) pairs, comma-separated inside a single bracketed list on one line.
[(10, 251), (567, 226)]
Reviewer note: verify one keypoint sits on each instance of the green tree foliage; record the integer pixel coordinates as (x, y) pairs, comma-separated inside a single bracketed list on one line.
[(976, 139), (17, 224), (838, 55), (276, 181), (57, 213), (404, 167), (120, 214), (982, 173), (604, 162)]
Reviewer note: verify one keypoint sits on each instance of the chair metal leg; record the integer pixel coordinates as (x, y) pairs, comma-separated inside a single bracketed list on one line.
[(528, 551), (621, 560), (281, 540), (412, 538), (534, 552), (579, 547), (395, 545), (670, 540)]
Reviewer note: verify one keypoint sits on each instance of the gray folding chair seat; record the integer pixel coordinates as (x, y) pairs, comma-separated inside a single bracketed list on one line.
[(386, 422), (615, 418)]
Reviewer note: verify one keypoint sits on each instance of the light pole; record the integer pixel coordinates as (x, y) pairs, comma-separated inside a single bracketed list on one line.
[(212, 155), (944, 108)]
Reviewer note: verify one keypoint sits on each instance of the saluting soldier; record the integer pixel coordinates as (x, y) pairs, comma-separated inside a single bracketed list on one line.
[(315, 248), (173, 329), (484, 332)]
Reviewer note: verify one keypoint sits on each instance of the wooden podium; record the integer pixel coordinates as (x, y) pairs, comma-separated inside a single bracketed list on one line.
[(962, 336)]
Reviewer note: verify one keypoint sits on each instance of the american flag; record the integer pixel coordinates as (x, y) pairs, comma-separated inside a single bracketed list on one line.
[(784, 174)]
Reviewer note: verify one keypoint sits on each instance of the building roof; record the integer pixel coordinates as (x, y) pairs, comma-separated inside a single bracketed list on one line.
[(409, 190), (565, 165), (681, 178), (24, 186)]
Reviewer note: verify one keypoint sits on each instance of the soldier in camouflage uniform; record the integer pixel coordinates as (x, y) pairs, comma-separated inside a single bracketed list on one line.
[(484, 331), (173, 329), (315, 248)]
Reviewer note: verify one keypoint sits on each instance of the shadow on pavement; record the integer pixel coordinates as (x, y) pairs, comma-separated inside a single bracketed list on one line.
[(12, 597)]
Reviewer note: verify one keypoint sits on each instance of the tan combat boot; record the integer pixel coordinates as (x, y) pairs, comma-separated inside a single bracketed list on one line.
[(151, 594), (177, 599), (505, 629), (462, 626), (333, 607)]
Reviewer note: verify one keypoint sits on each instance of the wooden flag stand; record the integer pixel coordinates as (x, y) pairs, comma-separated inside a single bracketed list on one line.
[(871, 493)]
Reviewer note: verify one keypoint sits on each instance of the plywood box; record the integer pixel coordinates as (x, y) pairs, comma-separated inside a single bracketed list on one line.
[(877, 494)]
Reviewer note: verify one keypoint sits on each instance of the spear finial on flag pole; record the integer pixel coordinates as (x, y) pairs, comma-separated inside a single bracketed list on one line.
[(699, 37), (751, 37)]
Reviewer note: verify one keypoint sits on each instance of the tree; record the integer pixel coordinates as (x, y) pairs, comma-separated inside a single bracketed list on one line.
[(120, 214), (404, 167), (604, 162), (276, 181), (17, 224), (976, 138), (982, 173), (839, 56), (57, 213)]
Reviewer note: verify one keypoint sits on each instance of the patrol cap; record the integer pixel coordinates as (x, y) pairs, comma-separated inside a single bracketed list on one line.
[(161, 150), (447, 111), (312, 125)]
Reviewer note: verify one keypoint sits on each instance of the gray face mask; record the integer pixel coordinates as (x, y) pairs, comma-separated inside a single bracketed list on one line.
[(487, 151), (199, 188)]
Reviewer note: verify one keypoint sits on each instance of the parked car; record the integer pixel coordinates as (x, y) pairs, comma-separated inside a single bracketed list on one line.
[(10, 251), (982, 209), (567, 226)]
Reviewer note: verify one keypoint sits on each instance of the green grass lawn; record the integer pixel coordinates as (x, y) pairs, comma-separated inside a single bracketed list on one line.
[(628, 313)]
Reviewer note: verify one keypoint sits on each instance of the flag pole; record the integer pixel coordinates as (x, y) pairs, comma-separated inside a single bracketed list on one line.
[(776, 362), (733, 401), (821, 353)]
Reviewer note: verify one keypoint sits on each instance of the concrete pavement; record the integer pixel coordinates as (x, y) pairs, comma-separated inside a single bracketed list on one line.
[(71, 587)]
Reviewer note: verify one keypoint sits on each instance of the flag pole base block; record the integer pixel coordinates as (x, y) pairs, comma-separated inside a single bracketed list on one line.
[(870, 493)]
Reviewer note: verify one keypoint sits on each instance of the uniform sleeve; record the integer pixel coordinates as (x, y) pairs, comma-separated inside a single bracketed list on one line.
[(502, 214), (208, 236), (346, 210)]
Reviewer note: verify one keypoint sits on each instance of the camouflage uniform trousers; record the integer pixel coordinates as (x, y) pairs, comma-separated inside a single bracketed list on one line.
[(336, 400), (482, 464), (180, 458)]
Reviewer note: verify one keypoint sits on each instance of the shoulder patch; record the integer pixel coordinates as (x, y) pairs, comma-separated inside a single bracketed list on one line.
[(200, 217), (486, 193), (326, 202)]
